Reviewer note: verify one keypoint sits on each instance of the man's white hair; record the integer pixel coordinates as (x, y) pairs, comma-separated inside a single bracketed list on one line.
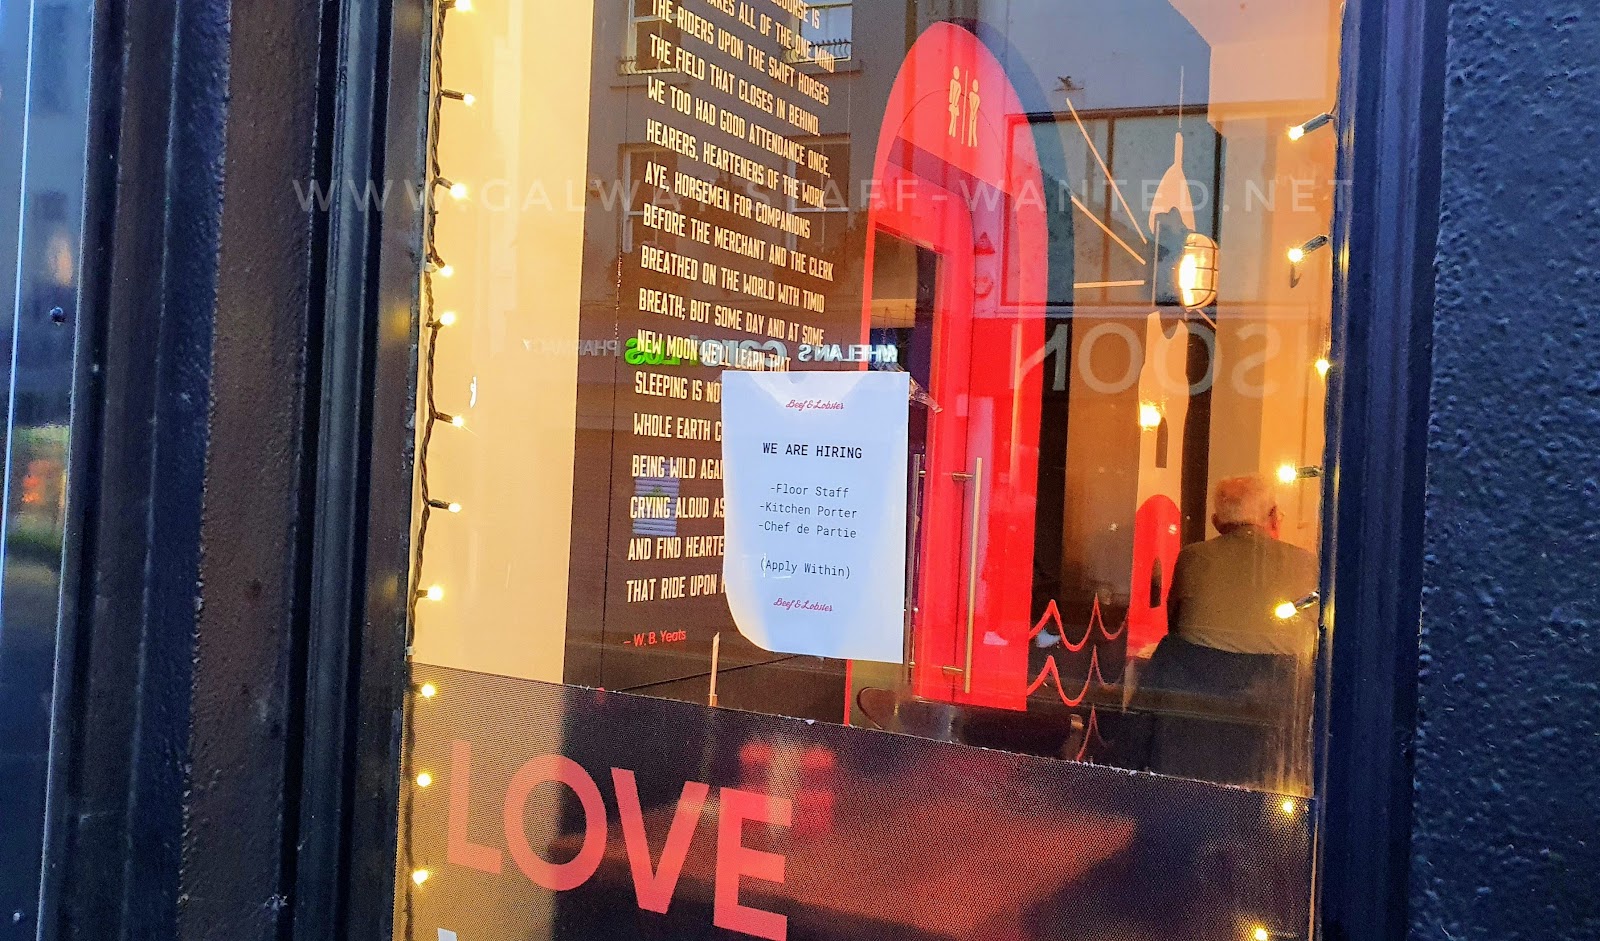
[(1244, 501)]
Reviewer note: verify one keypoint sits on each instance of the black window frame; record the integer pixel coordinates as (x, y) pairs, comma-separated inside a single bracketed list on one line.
[(345, 635), (1386, 225)]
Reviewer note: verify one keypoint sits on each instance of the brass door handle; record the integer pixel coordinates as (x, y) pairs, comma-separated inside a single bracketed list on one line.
[(972, 573)]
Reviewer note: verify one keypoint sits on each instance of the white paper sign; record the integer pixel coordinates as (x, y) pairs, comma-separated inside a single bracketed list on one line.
[(814, 467)]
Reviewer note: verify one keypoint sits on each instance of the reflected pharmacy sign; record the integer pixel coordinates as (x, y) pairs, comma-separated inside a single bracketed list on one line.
[(653, 349)]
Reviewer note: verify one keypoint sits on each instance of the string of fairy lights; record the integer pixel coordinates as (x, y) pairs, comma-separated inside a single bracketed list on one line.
[(435, 267), (1299, 253), (1291, 473), (434, 322)]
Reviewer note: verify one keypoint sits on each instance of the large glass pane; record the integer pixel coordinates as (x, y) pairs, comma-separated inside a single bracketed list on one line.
[(908, 413), (44, 85)]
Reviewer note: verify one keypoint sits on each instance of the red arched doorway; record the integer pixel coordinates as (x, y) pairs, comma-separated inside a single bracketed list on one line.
[(957, 178)]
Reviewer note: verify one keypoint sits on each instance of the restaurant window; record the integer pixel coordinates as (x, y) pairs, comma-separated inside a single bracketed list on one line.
[(636, 162), (644, 22), (828, 26), (831, 215), (872, 491)]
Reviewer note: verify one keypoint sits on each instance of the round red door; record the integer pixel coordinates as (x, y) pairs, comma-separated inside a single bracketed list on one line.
[(957, 175)]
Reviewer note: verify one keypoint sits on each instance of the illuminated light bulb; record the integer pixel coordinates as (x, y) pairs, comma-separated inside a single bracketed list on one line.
[(447, 271), (1288, 473), (1323, 366), (454, 508), (1188, 277), (1299, 252), (469, 99), (419, 876), (458, 191), (1261, 934), (1285, 611), (1301, 130), (428, 690), (1149, 416), (447, 319), (434, 593), (1288, 807), (1196, 274), (459, 421), (426, 780), (464, 6)]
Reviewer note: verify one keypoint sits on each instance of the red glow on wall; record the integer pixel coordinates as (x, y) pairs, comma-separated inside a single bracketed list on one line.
[(1157, 540)]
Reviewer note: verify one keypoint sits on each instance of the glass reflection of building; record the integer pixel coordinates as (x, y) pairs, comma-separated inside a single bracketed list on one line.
[(44, 80), (43, 87), (1159, 133), (1157, 124)]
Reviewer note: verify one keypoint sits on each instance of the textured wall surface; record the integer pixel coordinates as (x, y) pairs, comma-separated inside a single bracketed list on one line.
[(1507, 826)]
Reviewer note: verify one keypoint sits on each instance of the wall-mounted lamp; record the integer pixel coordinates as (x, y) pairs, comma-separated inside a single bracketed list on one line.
[(1183, 269), (1197, 272), (1320, 121)]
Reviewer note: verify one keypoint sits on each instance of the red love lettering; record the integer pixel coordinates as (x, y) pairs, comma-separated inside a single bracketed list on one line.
[(654, 890), (542, 872), (460, 849), (735, 861)]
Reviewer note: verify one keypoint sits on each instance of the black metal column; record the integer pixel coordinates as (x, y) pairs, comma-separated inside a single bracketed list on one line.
[(176, 775), (1390, 118)]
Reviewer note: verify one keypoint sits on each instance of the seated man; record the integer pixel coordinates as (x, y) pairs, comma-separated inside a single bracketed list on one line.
[(1226, 591), (1229, 686)]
